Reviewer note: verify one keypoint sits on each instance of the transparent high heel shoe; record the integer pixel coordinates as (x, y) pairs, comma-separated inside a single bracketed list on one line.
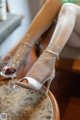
[(33, 84)]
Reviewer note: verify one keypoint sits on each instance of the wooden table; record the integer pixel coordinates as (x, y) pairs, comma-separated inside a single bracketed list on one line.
[(26, 104)]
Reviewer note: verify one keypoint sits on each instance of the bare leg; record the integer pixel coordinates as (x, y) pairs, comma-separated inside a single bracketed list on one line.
[(43, 20)]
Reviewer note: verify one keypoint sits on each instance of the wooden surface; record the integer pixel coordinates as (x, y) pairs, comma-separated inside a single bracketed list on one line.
[(56, 110), (66, 88), (68, 65)]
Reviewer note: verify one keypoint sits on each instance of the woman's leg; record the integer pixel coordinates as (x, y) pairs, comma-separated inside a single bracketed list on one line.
[(45, 65), (43, 20), (39, 25), (62, 32), (65, 25)]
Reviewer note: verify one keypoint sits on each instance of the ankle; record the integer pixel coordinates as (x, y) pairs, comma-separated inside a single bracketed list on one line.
[(53, 53), (27, 44), (48, 57), (25, 47)]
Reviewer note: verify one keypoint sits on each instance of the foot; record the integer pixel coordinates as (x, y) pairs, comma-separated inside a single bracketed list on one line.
[(41, 70)]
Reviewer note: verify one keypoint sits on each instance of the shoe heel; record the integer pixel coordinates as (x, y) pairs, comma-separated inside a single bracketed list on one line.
[(50, 80), (48, 86)]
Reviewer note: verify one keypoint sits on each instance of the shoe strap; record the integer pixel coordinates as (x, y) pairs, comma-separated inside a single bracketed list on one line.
[(27, 44), (33, 84), (54, 53)]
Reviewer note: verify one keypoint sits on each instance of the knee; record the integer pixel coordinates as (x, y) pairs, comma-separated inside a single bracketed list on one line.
[(68, 8), (68, 11)]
